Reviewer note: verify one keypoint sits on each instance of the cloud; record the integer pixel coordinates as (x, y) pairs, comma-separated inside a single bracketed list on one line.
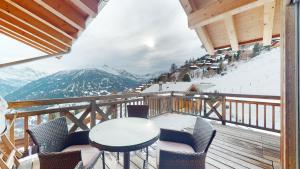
[(140, 36)]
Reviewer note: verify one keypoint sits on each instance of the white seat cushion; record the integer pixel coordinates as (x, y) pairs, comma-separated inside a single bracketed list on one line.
[(89, 154), (172, 146), (29, 162)]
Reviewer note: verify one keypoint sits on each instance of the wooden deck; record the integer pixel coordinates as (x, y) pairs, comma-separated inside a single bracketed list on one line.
[(232, 148)]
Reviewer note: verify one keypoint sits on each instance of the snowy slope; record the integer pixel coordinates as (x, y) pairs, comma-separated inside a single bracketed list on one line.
[(260, 75)]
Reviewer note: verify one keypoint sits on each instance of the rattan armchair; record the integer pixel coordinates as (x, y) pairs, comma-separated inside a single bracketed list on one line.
[(183, 150), (59, 149), (140, 111)]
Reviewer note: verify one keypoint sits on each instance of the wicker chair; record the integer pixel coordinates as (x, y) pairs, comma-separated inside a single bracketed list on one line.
[(140, 111), (59, 149), (182, 150)]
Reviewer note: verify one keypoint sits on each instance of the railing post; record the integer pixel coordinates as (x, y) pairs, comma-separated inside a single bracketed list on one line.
[(159, 105), (204, 108), (171, 103), (223, 110), (12, 131), (114, 111), (93, 113), (26, 138)]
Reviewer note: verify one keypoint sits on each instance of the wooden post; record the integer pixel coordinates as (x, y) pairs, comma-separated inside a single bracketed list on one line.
[(205, 107), (171, 109), (38, 119), (12, 131), (223, 110), (289, 85), (93, 113), (26, 138)]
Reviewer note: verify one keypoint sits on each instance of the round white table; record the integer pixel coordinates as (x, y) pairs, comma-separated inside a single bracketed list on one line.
[(124, 135)]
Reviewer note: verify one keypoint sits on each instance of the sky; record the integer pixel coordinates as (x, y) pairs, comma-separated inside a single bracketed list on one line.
[(140, 36)]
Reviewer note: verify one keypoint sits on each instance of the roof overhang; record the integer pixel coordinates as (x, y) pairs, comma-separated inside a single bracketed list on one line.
[(230, 23), (50, 26)]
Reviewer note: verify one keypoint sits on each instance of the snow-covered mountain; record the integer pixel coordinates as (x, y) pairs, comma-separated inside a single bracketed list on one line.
[(133, 76), (259, 75), (14, 78), (73, 83)]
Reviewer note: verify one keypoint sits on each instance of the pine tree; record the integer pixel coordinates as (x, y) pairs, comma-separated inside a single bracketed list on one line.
[(186, 78), (173, 68)]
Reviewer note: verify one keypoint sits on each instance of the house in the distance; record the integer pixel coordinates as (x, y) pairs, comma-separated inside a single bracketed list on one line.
[(179, 103)]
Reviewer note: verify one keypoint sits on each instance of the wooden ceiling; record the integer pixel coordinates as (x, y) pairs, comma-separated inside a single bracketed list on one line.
[(230, 23), (47, 25)]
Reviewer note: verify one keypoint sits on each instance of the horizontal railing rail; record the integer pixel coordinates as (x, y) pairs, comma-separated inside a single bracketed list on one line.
[(256, 111)]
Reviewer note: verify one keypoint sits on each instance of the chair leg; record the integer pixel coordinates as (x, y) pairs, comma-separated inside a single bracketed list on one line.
[(147, 153), (118, 156), (103, 159)]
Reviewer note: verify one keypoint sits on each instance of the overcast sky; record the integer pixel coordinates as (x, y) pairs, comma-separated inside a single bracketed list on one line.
[(140, 36)]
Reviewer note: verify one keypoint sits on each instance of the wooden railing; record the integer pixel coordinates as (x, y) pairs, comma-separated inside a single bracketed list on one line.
[(256, 111)]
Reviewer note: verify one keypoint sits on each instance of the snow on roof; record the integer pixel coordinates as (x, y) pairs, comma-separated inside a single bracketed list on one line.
[(170, 86)]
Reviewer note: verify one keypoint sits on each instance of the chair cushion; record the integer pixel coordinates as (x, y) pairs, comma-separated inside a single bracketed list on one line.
[(89, 154), (29, 162), (172, 146)]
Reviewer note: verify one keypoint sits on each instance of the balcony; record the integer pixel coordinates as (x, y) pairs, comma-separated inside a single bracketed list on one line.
[(247, 126)]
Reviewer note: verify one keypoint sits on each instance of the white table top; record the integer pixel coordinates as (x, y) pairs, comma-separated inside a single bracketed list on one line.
[(124, 132)]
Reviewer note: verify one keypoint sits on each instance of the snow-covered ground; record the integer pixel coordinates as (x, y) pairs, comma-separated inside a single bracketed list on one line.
[(260, 75), (174, 121)]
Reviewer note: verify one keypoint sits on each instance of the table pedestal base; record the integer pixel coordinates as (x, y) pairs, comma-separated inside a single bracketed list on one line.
[(126, 160)]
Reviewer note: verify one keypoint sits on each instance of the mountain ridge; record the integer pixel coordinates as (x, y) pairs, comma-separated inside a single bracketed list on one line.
[(73, 83)]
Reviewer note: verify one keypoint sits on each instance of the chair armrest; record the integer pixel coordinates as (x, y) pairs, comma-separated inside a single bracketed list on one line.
[(180, 160), (78, 138), (66, 160), (176, 136)]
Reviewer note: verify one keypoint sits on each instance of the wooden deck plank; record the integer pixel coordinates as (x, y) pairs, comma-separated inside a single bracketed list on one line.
[(232, 148), (237, 157)]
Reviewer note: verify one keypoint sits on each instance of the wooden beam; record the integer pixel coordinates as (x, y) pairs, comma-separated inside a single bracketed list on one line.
[(28, 37), (16, 25), (88, 6), (38, 12), (219, 10), (269, 13), (188, 6), (204, 37), (25, 41), (231, 31), (23, 17), (65, 12)]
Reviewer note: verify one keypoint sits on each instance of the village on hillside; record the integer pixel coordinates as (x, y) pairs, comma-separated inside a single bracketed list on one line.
[(203, 67)]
